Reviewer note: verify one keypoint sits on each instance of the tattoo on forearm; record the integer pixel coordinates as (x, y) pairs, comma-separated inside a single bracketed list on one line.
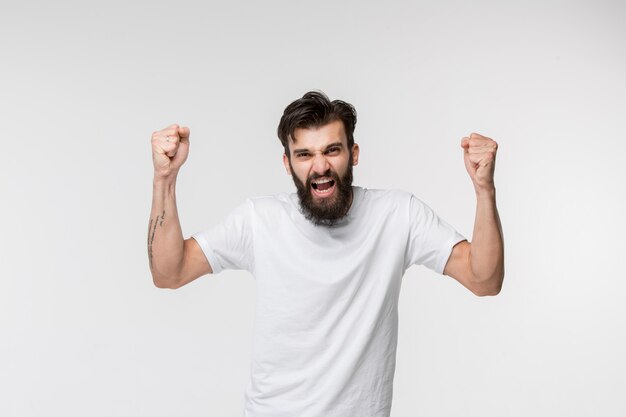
[(152, 232), (150, 244)]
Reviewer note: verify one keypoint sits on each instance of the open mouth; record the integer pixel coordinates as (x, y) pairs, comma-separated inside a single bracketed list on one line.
[(323, 186)]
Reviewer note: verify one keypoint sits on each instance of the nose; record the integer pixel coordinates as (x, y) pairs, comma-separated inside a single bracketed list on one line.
[(320, 164)]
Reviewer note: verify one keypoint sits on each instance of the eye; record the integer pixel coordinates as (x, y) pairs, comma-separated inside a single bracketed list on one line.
[(302, 154), (333, 150)]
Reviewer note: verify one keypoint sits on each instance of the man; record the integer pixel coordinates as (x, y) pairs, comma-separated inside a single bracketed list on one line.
[(327, 261)]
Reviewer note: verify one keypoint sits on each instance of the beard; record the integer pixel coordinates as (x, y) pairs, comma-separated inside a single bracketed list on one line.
[(327, 211)]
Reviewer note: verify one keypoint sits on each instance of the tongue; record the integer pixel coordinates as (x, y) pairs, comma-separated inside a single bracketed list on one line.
[(324, 186)]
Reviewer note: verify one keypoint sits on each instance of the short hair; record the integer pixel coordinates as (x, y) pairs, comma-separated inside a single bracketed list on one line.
[(314, 110)]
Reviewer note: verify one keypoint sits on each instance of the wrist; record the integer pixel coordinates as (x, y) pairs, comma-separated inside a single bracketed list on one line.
[(164, 182), (485, 191)]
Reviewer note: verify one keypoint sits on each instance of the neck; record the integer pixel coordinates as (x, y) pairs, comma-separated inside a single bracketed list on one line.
[(351, 200)]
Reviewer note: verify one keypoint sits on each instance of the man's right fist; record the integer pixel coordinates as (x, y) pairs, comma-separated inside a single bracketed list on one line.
[(170, 148)]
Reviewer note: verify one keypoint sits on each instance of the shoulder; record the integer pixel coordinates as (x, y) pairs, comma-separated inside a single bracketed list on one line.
[(271, 207), (388, 197), (396, 202), (384, 205), (269, 202)]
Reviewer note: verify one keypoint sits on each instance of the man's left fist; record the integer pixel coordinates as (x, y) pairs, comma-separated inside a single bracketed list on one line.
[(480, 160)]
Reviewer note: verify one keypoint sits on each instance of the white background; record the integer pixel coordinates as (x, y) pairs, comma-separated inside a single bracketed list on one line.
[(83, 331)]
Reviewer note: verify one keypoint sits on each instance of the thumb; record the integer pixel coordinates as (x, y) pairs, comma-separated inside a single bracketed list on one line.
[(469, 165), (465, 143), (183, 133)]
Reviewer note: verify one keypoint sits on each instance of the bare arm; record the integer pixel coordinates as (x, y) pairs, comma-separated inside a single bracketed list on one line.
[(479, 266), (173, 261)]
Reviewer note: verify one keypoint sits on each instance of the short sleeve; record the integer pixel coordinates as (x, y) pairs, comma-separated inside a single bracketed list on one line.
[(228, 245), (431, 239)]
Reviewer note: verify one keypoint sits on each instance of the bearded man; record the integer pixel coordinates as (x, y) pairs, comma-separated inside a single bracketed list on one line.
[(328, 261)]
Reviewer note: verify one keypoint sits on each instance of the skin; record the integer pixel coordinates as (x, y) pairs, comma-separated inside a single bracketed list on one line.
[(316, 151), (174, 261), (479, 266)]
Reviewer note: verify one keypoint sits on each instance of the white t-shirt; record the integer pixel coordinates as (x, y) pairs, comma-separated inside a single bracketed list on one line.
[(326, 319)]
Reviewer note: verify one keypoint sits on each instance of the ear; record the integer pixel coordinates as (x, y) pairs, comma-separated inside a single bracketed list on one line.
[(286, 163), (355, 154)]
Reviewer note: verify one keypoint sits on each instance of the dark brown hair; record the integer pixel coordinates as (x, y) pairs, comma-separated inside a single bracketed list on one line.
[(314, 110)]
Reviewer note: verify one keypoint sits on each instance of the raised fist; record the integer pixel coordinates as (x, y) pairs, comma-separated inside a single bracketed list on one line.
[(170, 148), (480, 159)]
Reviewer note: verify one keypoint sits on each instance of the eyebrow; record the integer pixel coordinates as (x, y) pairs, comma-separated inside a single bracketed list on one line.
[(335, 144)]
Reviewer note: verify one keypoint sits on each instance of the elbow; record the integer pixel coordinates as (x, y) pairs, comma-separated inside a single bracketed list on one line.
[(491, 293), (165, 282), (491, 287)]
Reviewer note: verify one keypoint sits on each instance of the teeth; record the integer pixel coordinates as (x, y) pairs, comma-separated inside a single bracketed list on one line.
[(322, 181), (323, 191)]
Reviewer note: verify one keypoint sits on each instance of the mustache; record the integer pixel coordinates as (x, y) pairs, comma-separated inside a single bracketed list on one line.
[(327, 174)]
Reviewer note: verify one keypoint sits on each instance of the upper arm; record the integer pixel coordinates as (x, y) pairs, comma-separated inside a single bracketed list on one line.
[(459, 267), (195, 263)]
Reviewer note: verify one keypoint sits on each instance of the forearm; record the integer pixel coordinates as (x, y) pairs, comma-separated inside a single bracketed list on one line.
[(165, 238), (487, 248)]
